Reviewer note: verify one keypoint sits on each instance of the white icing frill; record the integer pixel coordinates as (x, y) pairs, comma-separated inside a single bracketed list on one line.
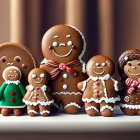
[(12, 82), (107, 107), (91, 107), (66, 93), (72, 104), (45, 111), (129, 106)]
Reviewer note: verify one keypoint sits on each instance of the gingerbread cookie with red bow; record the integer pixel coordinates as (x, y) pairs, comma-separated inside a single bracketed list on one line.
[(129, 70), (38, 93), (63, 46), (100, 89)]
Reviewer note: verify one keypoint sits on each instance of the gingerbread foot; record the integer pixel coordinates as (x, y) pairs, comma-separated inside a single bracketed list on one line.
[(6, 111), (17, 111), (128, 111), (44, 110), (138, 111), (106, 112), (32, 110)]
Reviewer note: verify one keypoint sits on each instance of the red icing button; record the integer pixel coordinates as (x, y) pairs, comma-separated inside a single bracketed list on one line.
[(12, 99), (50, 47), (61, 80), (97, 83), (62, 66), (12, 93), (36, 88), (97, 95), (97, 91), (73, 47), (24, 65), (35, 98)]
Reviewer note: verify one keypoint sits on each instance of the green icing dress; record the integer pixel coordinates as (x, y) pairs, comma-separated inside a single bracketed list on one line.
[(11, 95)]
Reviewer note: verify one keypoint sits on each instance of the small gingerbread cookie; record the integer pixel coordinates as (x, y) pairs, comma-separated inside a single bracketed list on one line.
[(63, 46), (38, 93), (12, 92), (14, 54), (100, 89), (129, 70)]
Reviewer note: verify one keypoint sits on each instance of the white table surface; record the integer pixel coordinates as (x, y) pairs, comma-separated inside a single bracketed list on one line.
[(71, 123)]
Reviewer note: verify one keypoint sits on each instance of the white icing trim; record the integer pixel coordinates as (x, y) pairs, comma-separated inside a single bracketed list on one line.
[(11, 67), (130, 106), (66, 93), (107, 100), (13, 106), (72, 104), (54, 104), (91, 107), (12, 82), (62, 55), (32, 111), (38, 102), (31, 87), (115, 84), (44, 88), (107, 107), (45, 111)]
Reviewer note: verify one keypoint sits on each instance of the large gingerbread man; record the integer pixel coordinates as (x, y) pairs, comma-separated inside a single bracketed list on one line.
[(129, 70), (100, 89), (63, 46)]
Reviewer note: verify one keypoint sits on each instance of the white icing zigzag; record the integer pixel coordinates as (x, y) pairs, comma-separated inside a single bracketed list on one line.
[(72, 104), (66, 93), (91, 107), (130, 106), (12, 82), (107, 100), (32, 111), (107, 107), (45, 111)]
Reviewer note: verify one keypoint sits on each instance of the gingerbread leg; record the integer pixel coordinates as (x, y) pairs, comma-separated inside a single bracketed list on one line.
[(17, 111), (92, 108), (130, 112), (106, 109), (32, 110), (44, 110), (6, 111), (72, 103)]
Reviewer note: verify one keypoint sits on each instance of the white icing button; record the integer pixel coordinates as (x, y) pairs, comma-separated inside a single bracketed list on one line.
[(126, 58), (65, 86), (126, 98), (65, 75)]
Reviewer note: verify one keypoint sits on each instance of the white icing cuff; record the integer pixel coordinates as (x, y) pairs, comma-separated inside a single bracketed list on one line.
[(32, 111), (107, 107), (91, 107), (107, 100), (44, 88), (12, 106), (31, 88), (66, 93), (45, 111), (38, 102), (130, 106), (12, 82), (72, 104)]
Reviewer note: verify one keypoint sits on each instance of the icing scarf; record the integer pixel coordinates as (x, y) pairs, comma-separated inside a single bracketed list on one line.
[(133, 84), (58, 67)]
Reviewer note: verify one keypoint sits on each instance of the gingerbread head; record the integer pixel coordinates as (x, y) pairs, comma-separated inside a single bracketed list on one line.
[(99, 66), (63, 43), (129, 64), (38, 77)]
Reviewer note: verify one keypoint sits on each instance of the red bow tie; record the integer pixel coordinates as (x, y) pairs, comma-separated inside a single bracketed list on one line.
[(133, 84), (58, 67)]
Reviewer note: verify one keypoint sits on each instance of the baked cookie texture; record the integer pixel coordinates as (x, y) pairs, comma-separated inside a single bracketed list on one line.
[(11, 92), (100, 89), (63, 47), (129, 71), (38, 95)]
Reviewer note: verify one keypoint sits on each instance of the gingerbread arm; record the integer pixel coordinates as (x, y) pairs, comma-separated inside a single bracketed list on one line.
[(80, 85), (22, 89), (2, 89)]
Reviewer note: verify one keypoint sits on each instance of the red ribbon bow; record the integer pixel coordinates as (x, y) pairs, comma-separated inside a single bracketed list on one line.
[(133, 84), (58, 67)]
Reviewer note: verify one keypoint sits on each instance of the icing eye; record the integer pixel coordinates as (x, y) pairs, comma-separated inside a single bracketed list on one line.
[(129, 63), (42, 75), (103, 64), (69, 43), (3, 59), (97, 64), (139, 63), (55, 44), (17, 58), (33, 76)]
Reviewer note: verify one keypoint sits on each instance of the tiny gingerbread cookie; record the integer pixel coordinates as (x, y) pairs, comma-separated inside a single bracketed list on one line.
[(129, 70), (12, 92), (63, 46), (14, 54), (100, 89), (38, 93)]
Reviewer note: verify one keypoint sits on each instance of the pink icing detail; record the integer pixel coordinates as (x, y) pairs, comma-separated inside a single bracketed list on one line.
[(62, 66)]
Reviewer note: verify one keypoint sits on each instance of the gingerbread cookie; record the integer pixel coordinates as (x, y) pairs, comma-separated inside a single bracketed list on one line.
[(129, 70), (100, 89), (63, 46), (38, 93), (12, 92), (14, 54)]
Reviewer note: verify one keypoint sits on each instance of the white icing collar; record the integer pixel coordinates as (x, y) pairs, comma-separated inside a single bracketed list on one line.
[(106, 77), (43, 88), (12, 82)]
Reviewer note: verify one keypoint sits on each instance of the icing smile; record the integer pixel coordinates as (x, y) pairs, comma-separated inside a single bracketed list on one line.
[(63, 55), (133, 73), (100, 72), (38, 82), (12, 76)]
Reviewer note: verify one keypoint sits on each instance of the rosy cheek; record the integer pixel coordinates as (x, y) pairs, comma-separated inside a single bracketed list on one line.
[(24, 66), (50, 47), (73, 47)]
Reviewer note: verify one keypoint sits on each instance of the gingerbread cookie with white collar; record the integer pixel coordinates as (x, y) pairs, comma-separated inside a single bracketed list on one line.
[(129, 70), (38, 93), (100, 89), (63, 46)]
